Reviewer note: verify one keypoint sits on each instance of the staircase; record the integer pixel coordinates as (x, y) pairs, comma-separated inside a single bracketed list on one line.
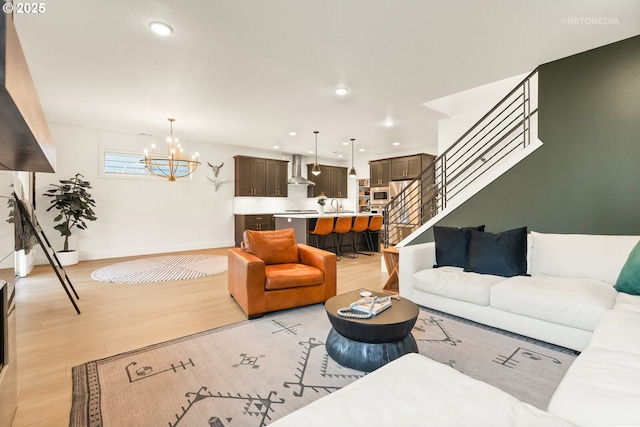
[(495, 143)]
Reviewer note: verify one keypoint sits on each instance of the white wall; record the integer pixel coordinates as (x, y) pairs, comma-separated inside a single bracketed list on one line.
[(152, 215), (465, 108)]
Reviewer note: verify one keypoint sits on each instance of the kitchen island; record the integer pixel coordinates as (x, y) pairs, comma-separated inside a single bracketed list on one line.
[(260, 221), (304, 223)]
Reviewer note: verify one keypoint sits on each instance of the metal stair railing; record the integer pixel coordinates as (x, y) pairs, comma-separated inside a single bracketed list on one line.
[(503, 130)]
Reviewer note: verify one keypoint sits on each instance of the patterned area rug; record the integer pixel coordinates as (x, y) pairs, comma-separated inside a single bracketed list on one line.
[(162, 269), (254, 372)]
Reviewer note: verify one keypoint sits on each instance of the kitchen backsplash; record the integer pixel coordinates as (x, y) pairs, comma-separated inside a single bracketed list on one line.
[(297, 200)]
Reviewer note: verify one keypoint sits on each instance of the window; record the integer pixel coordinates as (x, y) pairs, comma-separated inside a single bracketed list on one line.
[(122, 163)]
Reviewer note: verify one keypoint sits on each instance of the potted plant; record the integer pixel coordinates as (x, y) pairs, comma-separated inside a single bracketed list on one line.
[(75, 204)]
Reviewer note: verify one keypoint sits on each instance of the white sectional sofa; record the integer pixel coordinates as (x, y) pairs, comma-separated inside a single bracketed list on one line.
[(569, 289), (602, 386), (568, 299), (415, 391)]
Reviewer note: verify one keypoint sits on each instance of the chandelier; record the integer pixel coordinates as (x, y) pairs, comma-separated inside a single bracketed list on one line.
[(173, 164)]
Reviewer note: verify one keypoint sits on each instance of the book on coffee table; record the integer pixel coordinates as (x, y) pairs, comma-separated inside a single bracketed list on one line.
[(364, 305)]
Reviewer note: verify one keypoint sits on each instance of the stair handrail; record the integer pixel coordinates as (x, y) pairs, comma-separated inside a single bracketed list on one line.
[(495, 107), (438, 189)]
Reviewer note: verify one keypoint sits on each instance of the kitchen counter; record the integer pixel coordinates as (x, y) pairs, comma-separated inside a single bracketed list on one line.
[(318, 215), (285, 212), (251, 220), (303, 223)]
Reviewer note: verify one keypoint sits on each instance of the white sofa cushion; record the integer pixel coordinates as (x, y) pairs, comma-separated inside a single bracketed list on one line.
[(619, 330), (453, 282), (580, 256), (578, 303), (414, 391), (627, 302), (601, 388)]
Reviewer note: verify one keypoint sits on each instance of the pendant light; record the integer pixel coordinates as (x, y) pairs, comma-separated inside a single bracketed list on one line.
[(352, 172), (316, 168)]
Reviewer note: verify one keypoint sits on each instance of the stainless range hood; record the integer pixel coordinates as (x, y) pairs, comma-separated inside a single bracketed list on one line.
[(296, 170), (25, 141)]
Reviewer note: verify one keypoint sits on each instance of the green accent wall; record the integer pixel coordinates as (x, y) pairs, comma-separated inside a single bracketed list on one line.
[(586, 176)]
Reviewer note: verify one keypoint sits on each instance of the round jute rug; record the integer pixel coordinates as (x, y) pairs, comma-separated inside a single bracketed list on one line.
[(162, 269)]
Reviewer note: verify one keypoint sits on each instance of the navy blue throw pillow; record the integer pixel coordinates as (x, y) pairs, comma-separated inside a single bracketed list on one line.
[(502, 254), (452, 245)]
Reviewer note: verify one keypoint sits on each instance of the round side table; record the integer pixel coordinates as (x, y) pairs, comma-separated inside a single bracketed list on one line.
[(367, 344)]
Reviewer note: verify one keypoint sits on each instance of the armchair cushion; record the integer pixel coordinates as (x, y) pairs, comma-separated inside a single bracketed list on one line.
[(272, 247), (284, 276)]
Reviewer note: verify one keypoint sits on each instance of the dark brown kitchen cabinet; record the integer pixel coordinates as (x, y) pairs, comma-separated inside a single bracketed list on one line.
[(260, 177), (277, 178), (398, 168), (338, 177), (249, 176), (322, 181), (332, 181), (409, 167), (380, 173), (252, 222)]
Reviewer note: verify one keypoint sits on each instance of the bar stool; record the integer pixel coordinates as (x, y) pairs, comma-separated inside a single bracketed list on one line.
[(359, 226), (342, 228), (374, 226), (324, 228)]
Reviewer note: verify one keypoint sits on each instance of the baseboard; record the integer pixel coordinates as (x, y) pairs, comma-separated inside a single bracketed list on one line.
[(87, 256)]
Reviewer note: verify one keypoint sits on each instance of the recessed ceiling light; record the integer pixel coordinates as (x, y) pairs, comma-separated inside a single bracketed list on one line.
[(276, 146), (340, 156), (292, 134), (345, 143), (389, 123), (361, 150), (341, 91), (310, 151), (396, 143), (160, 28)]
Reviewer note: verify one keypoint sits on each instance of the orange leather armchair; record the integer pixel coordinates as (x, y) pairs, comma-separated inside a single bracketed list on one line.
[(273, 272)]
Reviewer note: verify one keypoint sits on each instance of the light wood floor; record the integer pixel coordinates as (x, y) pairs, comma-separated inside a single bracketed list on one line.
[(116, 318)]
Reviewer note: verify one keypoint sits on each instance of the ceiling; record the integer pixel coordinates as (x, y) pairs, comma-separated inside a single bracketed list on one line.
[(248, 72)]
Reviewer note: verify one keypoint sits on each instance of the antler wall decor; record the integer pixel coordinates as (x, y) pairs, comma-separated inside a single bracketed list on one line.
[(215, 180), (216, 169)]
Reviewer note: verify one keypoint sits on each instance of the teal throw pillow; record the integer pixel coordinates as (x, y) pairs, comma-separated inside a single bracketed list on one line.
[(629, 278)]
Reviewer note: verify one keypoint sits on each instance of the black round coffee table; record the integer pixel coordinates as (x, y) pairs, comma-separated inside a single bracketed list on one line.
[(367, 344)]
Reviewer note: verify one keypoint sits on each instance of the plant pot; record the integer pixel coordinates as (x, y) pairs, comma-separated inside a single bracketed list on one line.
[(67, 258)]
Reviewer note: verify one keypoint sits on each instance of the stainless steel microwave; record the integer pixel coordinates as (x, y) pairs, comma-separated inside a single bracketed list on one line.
[(379, 196)]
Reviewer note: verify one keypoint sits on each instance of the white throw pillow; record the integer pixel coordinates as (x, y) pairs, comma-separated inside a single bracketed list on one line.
[(580, 256)]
